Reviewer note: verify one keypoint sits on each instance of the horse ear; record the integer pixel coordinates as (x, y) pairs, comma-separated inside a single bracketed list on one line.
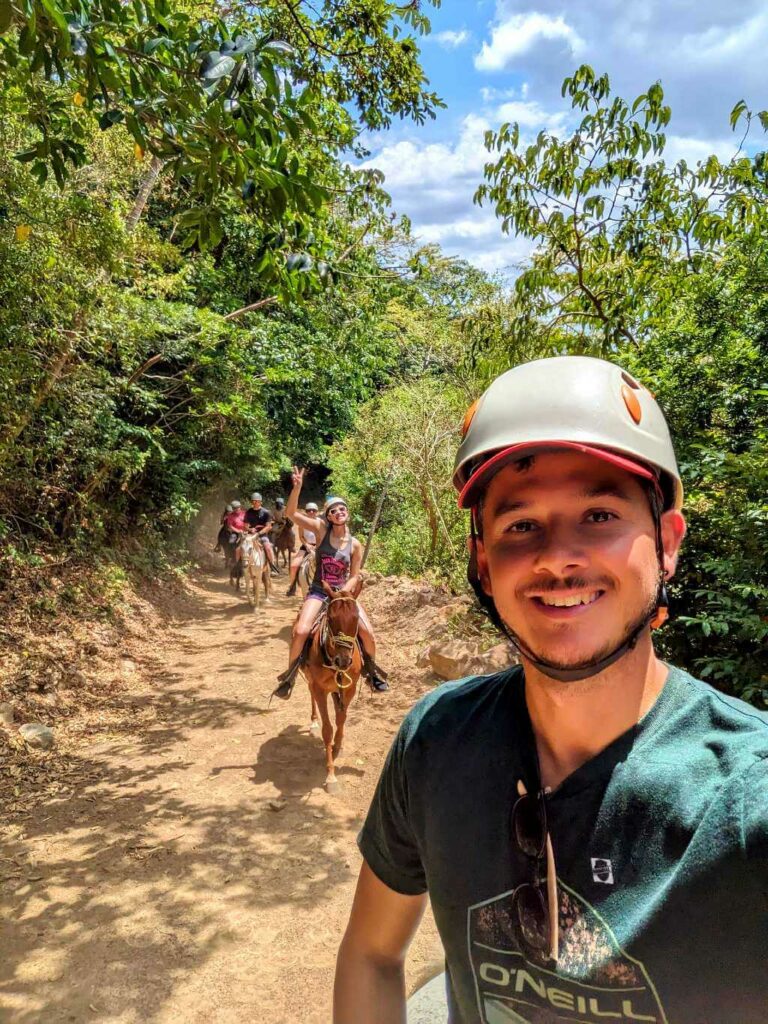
[(327, 588)]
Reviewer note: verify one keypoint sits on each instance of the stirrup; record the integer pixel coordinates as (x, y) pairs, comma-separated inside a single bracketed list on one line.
[(287, 679), (377, 677)]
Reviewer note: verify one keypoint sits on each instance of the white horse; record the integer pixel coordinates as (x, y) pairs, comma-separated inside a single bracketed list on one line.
[(255, 569), (306, 574)]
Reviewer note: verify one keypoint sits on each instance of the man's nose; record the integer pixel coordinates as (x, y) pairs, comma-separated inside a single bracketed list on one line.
[(561, 551)]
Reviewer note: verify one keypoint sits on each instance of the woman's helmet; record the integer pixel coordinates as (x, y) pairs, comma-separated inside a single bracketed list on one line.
[(235, 505), (330, 502), (230, 508), (574, 403), (310, 507), (279, 503)]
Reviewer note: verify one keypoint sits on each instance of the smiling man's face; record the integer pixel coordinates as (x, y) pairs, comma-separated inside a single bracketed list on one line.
[(568, 554)]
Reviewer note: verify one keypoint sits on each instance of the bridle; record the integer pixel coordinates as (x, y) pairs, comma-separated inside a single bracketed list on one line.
[(341, 640)]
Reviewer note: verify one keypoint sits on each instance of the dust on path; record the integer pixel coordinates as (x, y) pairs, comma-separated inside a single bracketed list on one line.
[(166, 889)]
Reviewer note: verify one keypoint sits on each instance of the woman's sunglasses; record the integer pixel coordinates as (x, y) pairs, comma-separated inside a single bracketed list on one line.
[(535, 903)]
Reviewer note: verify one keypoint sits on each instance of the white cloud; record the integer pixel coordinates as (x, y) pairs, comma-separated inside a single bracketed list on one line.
[(707, 54), (452, 40), (680, 147), (717, 45), (434, 184), (532, 115), (490, 95), (518, 34)]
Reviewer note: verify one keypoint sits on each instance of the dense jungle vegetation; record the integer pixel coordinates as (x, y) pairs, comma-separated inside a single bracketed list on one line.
[(197, 285)]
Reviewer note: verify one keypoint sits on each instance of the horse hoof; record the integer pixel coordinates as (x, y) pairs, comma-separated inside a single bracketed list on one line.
[(314, 726), (332, 785)]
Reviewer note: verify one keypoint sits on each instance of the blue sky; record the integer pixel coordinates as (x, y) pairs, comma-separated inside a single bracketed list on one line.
[(504, 60)]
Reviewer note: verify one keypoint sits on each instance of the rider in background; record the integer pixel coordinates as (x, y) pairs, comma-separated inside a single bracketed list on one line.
[(307, 543), (221, 539), (279, 515), (338, 562), (235, 520), (259, 521)]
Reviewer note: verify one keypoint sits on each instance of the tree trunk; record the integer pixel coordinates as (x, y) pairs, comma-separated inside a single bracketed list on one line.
[(145, 188), (377, 514), (15, 430)]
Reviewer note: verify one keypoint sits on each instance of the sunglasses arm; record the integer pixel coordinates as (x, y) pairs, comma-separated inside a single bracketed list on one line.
[(552, 903)]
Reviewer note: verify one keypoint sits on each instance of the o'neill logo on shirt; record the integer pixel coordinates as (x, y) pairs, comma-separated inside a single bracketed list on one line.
[(595, 981)]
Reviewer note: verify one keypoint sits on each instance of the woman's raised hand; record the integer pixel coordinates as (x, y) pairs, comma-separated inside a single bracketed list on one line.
[(297, 476)]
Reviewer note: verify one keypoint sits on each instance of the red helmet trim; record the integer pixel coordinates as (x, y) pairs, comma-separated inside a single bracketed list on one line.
[(468, 495)]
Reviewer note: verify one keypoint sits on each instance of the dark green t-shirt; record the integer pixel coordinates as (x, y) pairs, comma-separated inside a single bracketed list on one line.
[(660, 842)]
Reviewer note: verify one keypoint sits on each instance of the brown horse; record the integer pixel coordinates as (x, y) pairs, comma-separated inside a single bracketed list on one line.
[(284, 540), (333, 667)]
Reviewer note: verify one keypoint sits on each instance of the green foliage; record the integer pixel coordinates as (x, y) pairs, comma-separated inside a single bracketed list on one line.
[(606, 213), (130, 377), (708, 366), (247, 109), (405, 440)]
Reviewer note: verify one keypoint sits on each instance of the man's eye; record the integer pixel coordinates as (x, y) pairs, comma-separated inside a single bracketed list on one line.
[(600, 516), (522, 526)]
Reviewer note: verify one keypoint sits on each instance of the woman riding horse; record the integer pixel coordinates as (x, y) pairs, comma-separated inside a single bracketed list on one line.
[(338, 556)]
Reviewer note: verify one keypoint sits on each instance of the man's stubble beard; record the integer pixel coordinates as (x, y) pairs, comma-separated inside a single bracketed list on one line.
[(634, 626)]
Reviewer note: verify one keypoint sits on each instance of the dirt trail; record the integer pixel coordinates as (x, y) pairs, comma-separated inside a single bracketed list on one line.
[(166, 889)]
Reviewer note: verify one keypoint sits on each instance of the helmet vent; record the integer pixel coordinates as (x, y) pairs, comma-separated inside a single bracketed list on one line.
[(632, 403), (468, 417), (630, 380)]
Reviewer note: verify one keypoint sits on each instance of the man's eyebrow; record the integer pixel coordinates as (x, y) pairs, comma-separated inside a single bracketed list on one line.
[(507, 505), (606, 489)]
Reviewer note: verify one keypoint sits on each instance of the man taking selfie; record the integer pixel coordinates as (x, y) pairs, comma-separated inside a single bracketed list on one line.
[(591, 826)]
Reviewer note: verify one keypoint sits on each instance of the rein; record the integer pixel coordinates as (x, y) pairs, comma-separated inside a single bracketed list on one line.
[(340, 640)]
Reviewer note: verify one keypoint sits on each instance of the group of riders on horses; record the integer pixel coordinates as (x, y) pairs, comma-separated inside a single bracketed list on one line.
[(325, 540)]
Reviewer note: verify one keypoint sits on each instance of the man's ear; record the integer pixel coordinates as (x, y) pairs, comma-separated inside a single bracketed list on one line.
[(482, 567), (673, 529)]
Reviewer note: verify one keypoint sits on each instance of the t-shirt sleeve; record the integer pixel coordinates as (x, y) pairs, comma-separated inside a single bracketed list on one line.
[(387, 840), (755, 816)]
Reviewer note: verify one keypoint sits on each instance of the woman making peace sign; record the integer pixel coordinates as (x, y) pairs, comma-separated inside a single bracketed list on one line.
[(338, 561)]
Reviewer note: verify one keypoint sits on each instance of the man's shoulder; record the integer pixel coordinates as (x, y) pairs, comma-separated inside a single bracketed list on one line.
[(723, 728), (470, 703), (722, 705)]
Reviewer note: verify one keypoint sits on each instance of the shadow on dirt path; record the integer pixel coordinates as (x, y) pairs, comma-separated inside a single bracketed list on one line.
[(199, 873)]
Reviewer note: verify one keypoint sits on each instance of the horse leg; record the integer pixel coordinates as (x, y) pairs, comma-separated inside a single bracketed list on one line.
[(266, 576), (327, 734), (341, 718), (314, 723)]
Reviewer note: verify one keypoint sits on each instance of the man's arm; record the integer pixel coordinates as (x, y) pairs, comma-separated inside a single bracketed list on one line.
[(370, 979)]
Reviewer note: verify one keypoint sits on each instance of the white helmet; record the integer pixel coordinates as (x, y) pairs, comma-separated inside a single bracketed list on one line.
[(256, 496), (331, 502), (574, 402), (235, 504), (310, 507)]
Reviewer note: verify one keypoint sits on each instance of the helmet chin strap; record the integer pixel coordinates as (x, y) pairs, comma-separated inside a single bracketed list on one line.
[(592, 668), (655, 618)]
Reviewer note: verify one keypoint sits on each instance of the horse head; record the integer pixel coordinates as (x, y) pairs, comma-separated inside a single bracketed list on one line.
[(342, 626)]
